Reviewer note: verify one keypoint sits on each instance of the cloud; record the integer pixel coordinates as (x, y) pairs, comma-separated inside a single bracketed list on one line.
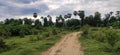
[(12, 8)]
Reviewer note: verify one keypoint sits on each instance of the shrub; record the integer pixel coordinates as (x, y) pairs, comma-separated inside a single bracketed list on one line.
[(34, 31), (22, 33), (3, 46), (54, 32), (46, 34), (85, 30), (31, 38), (112, 38), (101, 37)]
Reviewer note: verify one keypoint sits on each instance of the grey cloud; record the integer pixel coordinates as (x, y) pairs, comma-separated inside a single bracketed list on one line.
[(26, 7)]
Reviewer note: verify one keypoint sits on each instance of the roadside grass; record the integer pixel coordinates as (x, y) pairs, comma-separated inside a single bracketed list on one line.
[(32, 44), (95, 42), (93, 47)]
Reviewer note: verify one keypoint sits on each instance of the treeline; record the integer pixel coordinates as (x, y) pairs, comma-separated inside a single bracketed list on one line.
[(26, 26)]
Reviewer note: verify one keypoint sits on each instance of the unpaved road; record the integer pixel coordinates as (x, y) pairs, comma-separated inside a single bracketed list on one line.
[(68, 45)]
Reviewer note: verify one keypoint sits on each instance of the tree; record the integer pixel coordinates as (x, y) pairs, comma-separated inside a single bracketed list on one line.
[(38, 24), (50, 20), (118, 15), (27, 21), (111, 13), (69, 15), (75, 13), (7, 21), (65, 16), (73, 22), (91, 20), (2, 45), (112, 19), (59, 21), (35, 15), (97, 19), (42, 17), (57, 24), (107, 18), (45, 22), (81, 15)]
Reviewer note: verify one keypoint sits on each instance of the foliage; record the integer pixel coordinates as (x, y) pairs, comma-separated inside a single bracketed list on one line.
[(33, 44), (85, 30), (107, 40), (3, 46)]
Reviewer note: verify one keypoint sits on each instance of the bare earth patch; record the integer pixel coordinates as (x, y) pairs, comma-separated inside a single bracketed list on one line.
[(68, 45)]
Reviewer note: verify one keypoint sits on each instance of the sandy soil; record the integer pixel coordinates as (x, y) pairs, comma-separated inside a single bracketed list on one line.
[(68, 45)]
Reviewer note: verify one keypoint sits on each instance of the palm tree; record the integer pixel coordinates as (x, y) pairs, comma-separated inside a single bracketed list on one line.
[(118, 14), (42, 17), (69, 15), (75, 13), (35, 16), (65, 16), (50, 20), (111, 13), (81, 14)]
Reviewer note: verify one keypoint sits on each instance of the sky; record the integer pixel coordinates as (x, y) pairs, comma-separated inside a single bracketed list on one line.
[(26, 8)]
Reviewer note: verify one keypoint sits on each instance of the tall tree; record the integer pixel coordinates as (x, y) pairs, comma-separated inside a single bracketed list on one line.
[(27, 21), (107, 18), (38, 24), (50, 20), (118, 15), (45, 22), (65, 16), (75, 13), (69, 15), (81, 15), (35, 16), (97, 19)]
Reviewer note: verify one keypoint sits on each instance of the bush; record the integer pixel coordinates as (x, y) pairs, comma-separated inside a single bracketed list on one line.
[(101, 37), (112, 37), (3, 46), (54, 32), (22, 33), (31, 38), (34, 31), (46, 34), (85, 30), (117, 46)]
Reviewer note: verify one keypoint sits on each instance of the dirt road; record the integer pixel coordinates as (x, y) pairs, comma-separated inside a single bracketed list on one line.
[(68, 45)]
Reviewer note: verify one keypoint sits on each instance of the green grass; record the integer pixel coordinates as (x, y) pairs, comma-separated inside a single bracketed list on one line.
[(92, 45), (31, 44)]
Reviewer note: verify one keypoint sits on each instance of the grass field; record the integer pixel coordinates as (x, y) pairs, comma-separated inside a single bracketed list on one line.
[(32, 44), (96, 42)]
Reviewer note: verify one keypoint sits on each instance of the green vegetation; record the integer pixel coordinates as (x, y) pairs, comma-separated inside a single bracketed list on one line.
[(100, 41), (32, 44), (26, 36)]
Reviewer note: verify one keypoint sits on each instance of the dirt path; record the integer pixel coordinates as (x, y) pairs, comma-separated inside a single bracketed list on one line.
[(69, 45)]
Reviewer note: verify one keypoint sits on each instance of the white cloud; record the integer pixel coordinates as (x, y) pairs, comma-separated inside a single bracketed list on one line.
[(11, 8)]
